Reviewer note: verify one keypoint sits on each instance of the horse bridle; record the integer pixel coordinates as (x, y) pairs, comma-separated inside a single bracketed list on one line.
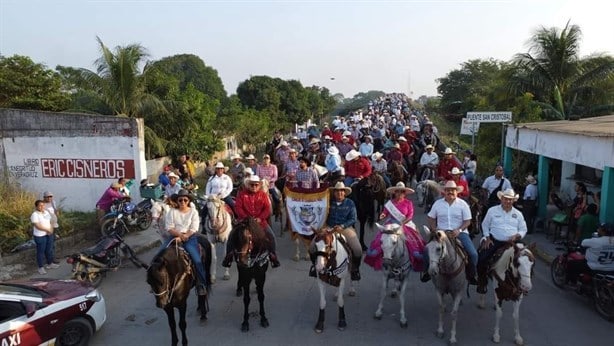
[(218, 204), (177, 279), (441, 256)]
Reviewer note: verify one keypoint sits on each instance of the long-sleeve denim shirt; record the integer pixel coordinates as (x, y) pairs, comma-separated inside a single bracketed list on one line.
[(343, 213)]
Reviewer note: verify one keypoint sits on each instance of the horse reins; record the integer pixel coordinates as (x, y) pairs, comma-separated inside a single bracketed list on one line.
[(455, 272)]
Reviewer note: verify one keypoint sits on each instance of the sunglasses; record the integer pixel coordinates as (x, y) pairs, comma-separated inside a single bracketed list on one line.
[(254, 184), (183, 199)]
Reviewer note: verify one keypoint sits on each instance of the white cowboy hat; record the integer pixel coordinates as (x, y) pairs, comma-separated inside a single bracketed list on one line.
[(388, 228), (248, 170), (292, 150), (402, 138), (400, 186), (508, 193), (314, 141), (376, 155), (456, 171), (282, 144), (333, 150), (351, 155), (235, 156), (347, 133), (450, 184), (397, 145), (531, 179), (430, 146), (253, 179), (219, 165), (369, 137), (294, 138), (173, 175), (448, 151), (250, 157), (341, 186)]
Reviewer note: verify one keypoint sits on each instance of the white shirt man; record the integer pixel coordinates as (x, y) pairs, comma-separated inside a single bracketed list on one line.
[(503, 222), (429, 157), (219, 184), (493, 182), (600, 253)]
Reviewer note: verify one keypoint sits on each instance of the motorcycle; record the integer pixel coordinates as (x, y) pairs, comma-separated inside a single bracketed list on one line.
[(126, 216), (93, 263), (599, 286)]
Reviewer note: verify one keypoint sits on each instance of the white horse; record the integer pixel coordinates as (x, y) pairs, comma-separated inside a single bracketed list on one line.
[(396, 265), (427, 191), (512, 272), (332, 266), (447, 269), (218, 227)]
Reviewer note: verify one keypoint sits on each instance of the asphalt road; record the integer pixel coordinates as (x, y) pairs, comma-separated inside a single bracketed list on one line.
[(549, 316)]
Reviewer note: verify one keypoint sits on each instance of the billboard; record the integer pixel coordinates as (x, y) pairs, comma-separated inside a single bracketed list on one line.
[(490, 117)]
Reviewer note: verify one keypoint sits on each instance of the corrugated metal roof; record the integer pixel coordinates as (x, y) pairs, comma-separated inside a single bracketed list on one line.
[(602, 126)]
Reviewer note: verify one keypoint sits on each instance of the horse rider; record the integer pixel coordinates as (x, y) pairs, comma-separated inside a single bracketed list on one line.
[(356, 167), (344, 146), (314, 153), (429, 159), (173, 186), (341, 218), (502, 225), (182, 222), (366, 147), (282, 153), (306, 176), (380, 166), (446, 164), (253, 202), (220, 185), (268, 171), (291, 166), (453, 215), (457, 175), (237, 169), (493, 184), (333, 164)]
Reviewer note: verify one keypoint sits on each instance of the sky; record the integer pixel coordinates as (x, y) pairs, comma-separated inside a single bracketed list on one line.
[(345, 46)]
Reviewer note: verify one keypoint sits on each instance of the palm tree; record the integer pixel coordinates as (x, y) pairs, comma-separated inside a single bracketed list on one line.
[(555, 74)]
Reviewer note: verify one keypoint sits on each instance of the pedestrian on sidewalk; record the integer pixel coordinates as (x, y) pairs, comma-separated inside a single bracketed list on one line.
[(53, 210), (43, 237)]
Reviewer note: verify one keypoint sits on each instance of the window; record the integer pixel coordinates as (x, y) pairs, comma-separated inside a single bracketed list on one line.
[(10, 310)]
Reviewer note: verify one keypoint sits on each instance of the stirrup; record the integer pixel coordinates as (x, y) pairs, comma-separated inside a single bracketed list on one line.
[(425, 277)]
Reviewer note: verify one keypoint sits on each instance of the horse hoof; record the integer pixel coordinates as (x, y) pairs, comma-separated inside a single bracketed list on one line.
[(377, 317), (264, 323), (319, 328), (239, 292), (519, 341), (496, 339), (439, 334), (226, 277), (404, 324), (245, 327), (203, 318), (296, 258), (341, 325), (352, 293)]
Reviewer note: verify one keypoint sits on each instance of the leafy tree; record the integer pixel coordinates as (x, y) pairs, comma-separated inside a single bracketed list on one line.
[(553, 71), (360, 100), (28, 85)]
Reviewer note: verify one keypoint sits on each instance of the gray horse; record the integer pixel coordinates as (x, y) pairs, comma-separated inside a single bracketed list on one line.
[(428, 191), (447, 268)]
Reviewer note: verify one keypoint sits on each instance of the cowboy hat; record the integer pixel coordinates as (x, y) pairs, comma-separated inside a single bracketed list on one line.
[(292, 150), (282, 144), (248, 170), (430, 146), (397, 145), (253, 179), (388, 228), (314, 141), (448, 151), (333, 150), (351, 155), (294, 138), (402, 138), (219, 165), (341, 186), (47, 194), (450, 184), (376, 155), (172, 175), (347, 133), (266, 156), (235, 156), (508, 193), (531, 179), (250, 157), (327, 137), (456, 171), (369, 137), (400, 186), (183, 193)]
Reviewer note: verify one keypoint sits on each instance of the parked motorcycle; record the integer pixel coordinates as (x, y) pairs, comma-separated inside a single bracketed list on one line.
[(126, 216), (599, 286), (93, 263)]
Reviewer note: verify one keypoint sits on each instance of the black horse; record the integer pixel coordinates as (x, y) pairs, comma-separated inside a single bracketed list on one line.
[(171, 277), (365, 194), (250, 244)]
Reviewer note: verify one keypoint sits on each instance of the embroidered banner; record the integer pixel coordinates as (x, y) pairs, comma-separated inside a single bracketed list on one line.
[(307, 209)]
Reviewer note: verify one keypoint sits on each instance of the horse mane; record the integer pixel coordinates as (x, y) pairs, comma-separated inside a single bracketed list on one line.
[(259, 236)]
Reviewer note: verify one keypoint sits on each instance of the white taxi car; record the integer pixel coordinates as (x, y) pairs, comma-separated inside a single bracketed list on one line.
[(47, 312)]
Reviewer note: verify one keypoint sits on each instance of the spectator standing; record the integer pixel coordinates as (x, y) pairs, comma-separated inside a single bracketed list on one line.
[(43, 237), (529, 202)]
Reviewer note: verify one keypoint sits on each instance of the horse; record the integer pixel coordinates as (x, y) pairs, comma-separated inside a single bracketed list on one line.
[(512, 272), (428, 191), (447, 269), (364, 194), (476, 207), (217, 227), (397, 172), (332, 265), (250, 244), (171, 277), (396, 266)]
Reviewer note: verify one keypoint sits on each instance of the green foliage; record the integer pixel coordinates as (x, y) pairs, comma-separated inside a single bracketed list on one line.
[(360, 100), (27, 85)]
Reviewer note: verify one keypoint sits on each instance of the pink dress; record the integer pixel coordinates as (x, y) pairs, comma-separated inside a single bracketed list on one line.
[(414, 242)]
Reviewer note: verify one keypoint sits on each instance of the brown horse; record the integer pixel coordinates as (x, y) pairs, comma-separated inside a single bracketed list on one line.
[(364, 194), (171, 277), (396, 172)]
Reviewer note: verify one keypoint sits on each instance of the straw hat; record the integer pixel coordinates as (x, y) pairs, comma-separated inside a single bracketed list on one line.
[(341, 186), (250, 157), (400, 186), (531, 179), (235, 156), (402, 138), (456, 171), (253, 179), (450, 184), (314, 141), (248, 170), (376, 155), (282, 144), (508, 193), (351, 155), (170, 175), (430, 146), (219, 165), (448, 151)]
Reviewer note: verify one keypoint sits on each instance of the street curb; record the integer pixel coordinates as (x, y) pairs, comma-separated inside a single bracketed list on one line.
[(147, 246), (544, 256)]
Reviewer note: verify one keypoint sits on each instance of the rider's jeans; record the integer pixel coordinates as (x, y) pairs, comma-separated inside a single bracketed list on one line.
[(465, 239), (231, 202), (191, 247), (348, 181), (386, 180)]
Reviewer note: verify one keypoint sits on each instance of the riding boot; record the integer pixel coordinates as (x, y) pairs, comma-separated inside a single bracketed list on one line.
[(312, 269), (355, 273), (227, 262), (482, 278), (273, 259), (425, 276)]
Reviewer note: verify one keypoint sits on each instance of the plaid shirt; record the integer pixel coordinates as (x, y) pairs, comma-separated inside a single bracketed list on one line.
[(380, 167), (267, 172), (307, 178)]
